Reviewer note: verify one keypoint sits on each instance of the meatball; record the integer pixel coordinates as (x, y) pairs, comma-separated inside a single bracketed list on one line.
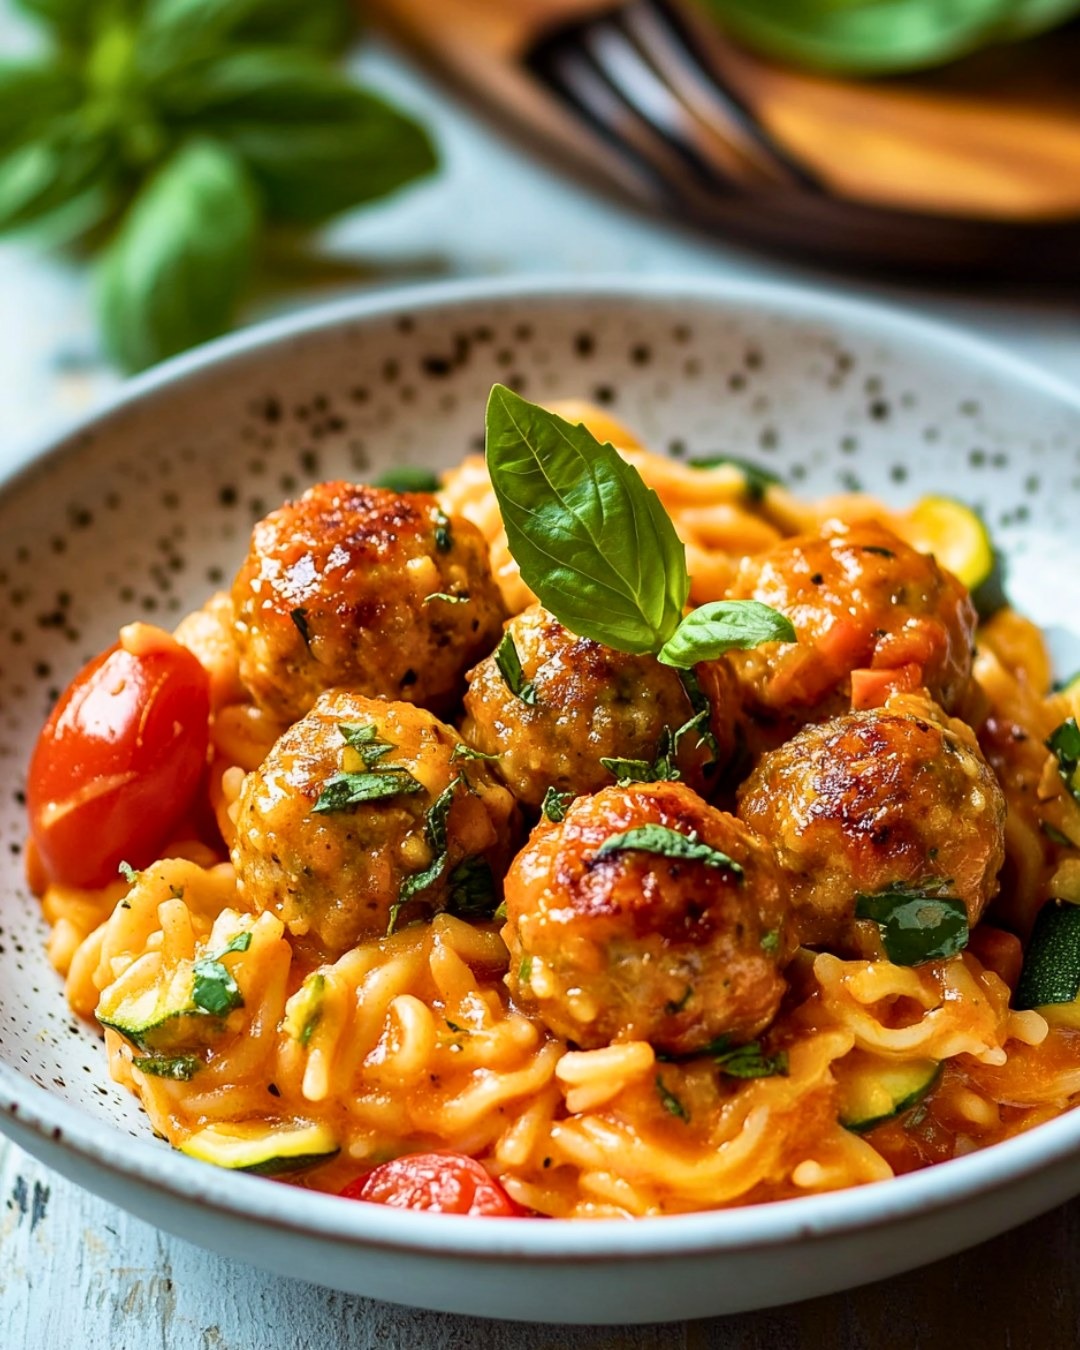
[(362, 807), (900, 795), (588, 703), (366, 589), (873, 616), (612, 939)]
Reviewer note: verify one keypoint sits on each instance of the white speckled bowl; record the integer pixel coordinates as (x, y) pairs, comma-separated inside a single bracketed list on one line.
[(145, 507)]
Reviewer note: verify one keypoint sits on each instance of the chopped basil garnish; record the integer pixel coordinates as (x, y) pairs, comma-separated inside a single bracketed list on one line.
[(346, 790), (756, 480), (918, 922), (300, 619), (443, 539), (408, 478), (214, 990), (472, 890), (662, 769), (670, 1102), (435, 833), (463, 751), (129, 873), (750, 1061), (668, 843), (525, 970), (594, 543), (702, 717), (554, 805), (462, 599), (181, 1068), (1064, 742), (770, 940), (240, 943), (364, 738), (509, 664)]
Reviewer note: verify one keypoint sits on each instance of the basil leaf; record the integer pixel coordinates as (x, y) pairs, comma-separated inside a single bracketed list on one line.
[(177, 32), (591, 540), (240, 943), (509, 664), (214, 990), (300, 620), (32, 94), (917, 923), (364, 738), (661, 770), (407, 478), (447, 599), (629, 770), (345, 790), (750, 1061), (756, 480), (42, 177), (435, 833), (463, 751), (554, 805), (472, 889), (1064, 742), (724, 626), (667, 843), (181, 1068), (670, 1102), (71, 20), (174, 272), (702, 718), (129, 873), (314, 143)]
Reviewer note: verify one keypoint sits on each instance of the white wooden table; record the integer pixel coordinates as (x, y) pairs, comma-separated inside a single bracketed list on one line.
[(77, 1273)]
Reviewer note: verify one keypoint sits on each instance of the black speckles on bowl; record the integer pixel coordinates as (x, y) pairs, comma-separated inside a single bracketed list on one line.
[(147, 509)]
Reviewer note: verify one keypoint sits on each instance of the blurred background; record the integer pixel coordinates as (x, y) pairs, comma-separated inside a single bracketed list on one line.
[(172, 168)]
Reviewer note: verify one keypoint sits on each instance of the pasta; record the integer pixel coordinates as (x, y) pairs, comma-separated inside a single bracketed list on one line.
[(434, 1032)]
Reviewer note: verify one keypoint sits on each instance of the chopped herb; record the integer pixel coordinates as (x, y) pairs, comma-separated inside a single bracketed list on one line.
[(670, 1102), (214, 990), (675, 1006), (668, 843), (1055, 835), (525, 970), (240, 943), (750, 1061), (458, 1031), (472, 889), (314, 987), (554, 805), (661, 770), (770, 940), (876, 548), (300, 619), (509, 664), (918, 922), (443, 538), (363, 737), (182, 1068), (463, 751), (408, 478), (756, 480), (500, 912), (1064, 742), (346, 790), (176, 892), (128, 873), (435, 833), (462, 599), (702, 714)]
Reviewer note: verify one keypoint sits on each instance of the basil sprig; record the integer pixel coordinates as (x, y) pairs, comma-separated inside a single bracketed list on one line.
[(214, 990), (172, 134), (918, 922), (596, 546), (1064, 743)]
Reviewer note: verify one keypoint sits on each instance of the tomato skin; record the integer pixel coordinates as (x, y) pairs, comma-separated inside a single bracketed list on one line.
[(438, 1183), (118, 763)]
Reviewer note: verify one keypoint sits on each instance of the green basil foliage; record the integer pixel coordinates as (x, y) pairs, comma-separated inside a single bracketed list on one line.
[(751, 1061), (598, 549), (668, 843), (170, 135), (343, 791), (554, 805), (509, 664), (671, 1104), (408, 478), (918, 922), (214, 990), (878, 37), (181, 1068), (756, 479), (1064, 742)]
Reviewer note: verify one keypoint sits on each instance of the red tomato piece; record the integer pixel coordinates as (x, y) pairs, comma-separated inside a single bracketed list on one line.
[(440, 1183), (119, 762)]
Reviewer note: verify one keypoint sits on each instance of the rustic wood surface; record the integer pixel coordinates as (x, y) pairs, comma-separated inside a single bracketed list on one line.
[(78, 1274)]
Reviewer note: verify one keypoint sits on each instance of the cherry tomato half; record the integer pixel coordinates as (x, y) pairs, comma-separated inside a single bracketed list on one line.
[(118, 762), (440, 1183)]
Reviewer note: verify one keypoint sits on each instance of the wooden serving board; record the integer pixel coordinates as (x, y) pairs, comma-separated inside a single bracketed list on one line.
[(971, 168)]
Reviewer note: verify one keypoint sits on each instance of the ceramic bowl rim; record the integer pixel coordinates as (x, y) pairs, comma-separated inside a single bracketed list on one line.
[(783, 1223)]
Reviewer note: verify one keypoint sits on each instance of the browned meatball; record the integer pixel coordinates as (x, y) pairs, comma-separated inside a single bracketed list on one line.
[(587, 703), (872, 799), (360, 806), (611, 940), (367, 589), (872, 615)]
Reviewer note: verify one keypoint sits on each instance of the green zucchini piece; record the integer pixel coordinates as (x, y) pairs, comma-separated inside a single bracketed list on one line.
[(955, 535), (874, 1090), (304, 1009), (265, 1148), (1051, 971), (155, 1020)]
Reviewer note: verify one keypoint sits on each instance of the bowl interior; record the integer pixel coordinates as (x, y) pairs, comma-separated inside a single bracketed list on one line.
[(147, 510)]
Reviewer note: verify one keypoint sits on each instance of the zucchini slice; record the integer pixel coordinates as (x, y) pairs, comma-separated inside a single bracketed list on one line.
[(1051, 971), (955, 535), (156, 1020), (304, 1010), (873, 1090), (266, 1148)]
